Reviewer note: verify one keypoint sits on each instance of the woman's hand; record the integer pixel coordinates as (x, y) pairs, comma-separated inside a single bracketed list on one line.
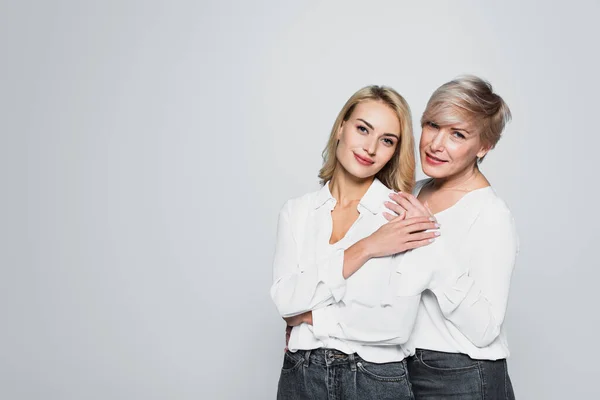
[(406, 206), (400, 235), (299, 319), (288, 333)]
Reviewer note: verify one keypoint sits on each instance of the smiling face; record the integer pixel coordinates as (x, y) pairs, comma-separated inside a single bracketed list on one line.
[(368, 139), (450, 151)]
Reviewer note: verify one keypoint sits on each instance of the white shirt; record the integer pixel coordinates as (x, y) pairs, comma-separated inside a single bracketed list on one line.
[(467, 273), (361, 314)]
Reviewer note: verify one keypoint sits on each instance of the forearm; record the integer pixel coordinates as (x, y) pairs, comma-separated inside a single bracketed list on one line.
[(385, 325), (467, 304), (315, 286), (355, 257), (304, 291)]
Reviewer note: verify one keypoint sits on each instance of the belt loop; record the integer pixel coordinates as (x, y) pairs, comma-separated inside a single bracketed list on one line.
[(352, 362), (306, 358)]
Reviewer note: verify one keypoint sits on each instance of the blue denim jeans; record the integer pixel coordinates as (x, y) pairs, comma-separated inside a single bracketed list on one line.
[(436, 375), (332, 375)]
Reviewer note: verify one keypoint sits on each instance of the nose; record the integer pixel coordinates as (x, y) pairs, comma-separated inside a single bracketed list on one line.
[(437, 142), (371, 145)]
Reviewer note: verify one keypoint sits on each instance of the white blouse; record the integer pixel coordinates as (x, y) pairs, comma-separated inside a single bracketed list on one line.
[(453, 291), (466, 276), (362, 314)]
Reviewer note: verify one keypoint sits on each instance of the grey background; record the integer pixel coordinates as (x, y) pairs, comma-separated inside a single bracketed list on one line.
[(148, 146)]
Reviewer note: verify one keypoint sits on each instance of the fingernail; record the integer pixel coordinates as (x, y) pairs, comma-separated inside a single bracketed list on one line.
[(437, 225), (437, 233), (431, 240), (432, 219)]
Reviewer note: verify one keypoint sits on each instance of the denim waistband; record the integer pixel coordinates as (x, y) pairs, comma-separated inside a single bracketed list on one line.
[(328, 357)]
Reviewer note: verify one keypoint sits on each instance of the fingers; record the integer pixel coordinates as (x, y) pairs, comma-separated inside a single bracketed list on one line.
[(389, 217), (408, 198), (418, 220), (402, 202), (421, 226), (417, 203), (288, 333), (418, 243), (392, 217), (394, 207), (420, 236)]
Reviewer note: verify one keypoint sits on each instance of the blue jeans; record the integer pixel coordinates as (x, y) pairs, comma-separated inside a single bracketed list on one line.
[(332, 375), (436, 375)]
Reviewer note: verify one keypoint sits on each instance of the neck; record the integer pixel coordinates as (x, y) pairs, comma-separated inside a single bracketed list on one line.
[(348, 189), (462, 180)]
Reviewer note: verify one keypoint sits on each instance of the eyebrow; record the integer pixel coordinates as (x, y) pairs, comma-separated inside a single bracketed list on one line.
[(460, 129), (371, 126), (366, 123)]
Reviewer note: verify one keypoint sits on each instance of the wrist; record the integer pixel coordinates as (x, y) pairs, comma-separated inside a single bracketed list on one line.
[(308, 318), (364, 249)]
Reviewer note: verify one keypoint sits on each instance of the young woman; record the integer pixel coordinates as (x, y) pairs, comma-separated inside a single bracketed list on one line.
[(458, 338), (334, 260)]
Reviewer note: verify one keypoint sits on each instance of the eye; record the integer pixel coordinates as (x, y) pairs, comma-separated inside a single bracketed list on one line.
[(458, 135), (388, 142), (362, 129), (433, 125)]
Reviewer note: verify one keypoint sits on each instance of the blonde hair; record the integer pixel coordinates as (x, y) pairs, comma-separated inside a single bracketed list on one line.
[(399, 172), (469, 99)]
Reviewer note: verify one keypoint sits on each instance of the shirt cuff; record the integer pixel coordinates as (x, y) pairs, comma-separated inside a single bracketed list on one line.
[(451, 288), (324, 322), (331, 274)]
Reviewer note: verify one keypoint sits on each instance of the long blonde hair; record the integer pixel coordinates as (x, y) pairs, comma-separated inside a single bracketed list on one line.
[(399, 173)]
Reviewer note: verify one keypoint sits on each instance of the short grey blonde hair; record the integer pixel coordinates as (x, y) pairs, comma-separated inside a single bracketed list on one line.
[(399, 173), (469, 99)]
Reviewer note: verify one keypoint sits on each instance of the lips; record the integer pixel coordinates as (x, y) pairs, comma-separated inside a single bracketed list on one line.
[(363, 160), (434, 160)]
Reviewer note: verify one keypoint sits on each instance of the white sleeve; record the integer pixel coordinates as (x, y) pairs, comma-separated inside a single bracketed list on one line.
[(389, 324), (474, 296), (298, 288)]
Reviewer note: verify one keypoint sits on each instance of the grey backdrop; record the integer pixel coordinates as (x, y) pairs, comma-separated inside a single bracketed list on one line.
[(148, 146)]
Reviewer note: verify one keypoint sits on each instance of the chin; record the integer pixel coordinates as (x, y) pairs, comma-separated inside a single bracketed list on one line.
[(361, 174), (434, 172)]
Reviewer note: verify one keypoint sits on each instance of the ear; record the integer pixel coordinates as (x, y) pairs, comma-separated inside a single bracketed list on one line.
[(483, 151), (339, 131)]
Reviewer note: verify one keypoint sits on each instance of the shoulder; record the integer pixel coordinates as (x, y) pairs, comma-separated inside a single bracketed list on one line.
[(495, 208), (300, 206), (495, 213)]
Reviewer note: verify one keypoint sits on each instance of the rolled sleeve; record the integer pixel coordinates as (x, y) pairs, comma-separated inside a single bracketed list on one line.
[(451, 288), (324, 322)]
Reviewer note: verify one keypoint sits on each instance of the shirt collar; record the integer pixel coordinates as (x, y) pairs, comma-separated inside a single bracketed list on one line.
[(323, 196), (372, 200)]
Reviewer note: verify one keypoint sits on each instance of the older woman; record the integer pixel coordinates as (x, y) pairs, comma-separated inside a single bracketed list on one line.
[(335, 254), (459, 341)]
